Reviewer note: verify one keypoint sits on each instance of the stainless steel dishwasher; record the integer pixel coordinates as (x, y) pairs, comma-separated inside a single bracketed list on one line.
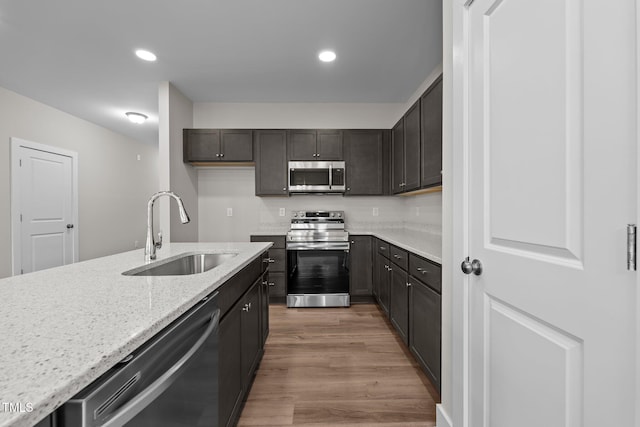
[(172, 380)]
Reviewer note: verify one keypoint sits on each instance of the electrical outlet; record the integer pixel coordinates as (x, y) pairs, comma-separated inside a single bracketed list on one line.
[(135, 244), (229, 211), (375, 212), (417, 210), (138, 157), (281, 213)]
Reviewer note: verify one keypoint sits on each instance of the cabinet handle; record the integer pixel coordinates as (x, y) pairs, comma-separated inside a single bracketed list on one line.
[(348, 188), (246, 307), (221, 154), (353, 242), (265, 283), (396, 256), (272, 284), (269, 260), (284, 189), (218, 155), (422, 270), (382, 248), (408, 285)]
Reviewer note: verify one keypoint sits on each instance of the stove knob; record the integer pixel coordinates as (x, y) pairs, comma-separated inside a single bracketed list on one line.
[(295, 214), (339, 214), (332, 214)]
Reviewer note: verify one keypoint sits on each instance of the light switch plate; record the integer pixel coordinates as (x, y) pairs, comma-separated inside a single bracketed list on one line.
[(375, 212), (281, 213), (229, 211)]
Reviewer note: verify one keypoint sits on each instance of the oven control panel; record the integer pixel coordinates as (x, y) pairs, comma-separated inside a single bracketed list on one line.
[(318, 214)]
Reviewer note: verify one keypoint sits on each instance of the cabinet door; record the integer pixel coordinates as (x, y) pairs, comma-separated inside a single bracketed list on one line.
[(397, 158), (399, 302), (329, 145), (264, 308), (230, 366), (431, 112), (251, 333), (201, 145), (360, 266), (412, 148), (382, 265), (236, 145), (364, 157), (301, 144), (278, 285), (271, 162), (425, 328)]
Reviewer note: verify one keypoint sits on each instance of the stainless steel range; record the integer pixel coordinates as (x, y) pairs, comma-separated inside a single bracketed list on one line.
[(318, 260)]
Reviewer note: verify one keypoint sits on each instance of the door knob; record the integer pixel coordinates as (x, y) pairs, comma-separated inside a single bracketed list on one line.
[(69, 225), (469, 267)]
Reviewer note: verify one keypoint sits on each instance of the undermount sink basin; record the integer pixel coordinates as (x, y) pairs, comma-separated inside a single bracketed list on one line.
[(184, 264)]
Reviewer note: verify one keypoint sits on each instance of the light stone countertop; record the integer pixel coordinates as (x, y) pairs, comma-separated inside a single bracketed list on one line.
[(427, 245), (64, 327)]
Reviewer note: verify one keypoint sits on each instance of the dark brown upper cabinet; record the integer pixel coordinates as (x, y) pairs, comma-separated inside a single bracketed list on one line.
[(431, 137), (271, 162), (217, 145), (366, 155), (406, 151), (397, 157), (412, 148), (309, 144)]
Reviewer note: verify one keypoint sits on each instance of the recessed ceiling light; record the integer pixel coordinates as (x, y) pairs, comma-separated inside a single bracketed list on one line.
[(327, 56), (146, 55), (137, 118)]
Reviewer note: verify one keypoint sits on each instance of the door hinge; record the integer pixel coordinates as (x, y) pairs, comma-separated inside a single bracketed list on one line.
[(631, 247), (20, 162), (20, 217)]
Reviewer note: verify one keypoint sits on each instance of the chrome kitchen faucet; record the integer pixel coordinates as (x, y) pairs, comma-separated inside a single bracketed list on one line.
[(151, 245)]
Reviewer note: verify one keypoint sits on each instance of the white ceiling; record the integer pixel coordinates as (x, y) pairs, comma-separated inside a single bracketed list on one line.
[(78, 55)]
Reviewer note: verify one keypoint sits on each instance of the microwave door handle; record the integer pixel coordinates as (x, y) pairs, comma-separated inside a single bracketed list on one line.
[(149, 394), (330, 177)]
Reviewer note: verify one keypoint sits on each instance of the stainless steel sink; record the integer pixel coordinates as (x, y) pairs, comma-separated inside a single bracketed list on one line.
[(184, 264)]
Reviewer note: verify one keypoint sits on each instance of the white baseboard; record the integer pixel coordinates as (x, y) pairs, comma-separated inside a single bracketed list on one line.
[(442, 419)]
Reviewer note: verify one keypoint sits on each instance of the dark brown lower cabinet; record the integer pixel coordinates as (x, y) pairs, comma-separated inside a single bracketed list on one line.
[(383, 278), (360, 268), (230, 367), (425, 325), (264, 306), (412, 301), (241, 342), (277, 268), (399, 302)]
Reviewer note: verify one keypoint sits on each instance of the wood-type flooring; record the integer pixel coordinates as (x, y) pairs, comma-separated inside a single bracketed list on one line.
[(337, 367)]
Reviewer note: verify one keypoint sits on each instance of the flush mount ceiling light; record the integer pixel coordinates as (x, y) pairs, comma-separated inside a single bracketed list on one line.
[(327, 56), (146, 55), (137, 118)]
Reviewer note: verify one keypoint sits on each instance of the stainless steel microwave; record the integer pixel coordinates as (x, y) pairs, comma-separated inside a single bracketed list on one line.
[(316, 177)]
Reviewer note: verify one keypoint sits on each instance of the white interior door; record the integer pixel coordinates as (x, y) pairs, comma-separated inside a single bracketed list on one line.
[(45, 194), (551, 144)]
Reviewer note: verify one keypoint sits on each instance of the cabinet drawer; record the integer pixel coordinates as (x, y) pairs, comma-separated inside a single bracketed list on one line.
[(279, 256), (427, 272), (278, 241), (382, 247), (398, 256), (277, 285)]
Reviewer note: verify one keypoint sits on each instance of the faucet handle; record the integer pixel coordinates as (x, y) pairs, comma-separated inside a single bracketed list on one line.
[(158, 243)]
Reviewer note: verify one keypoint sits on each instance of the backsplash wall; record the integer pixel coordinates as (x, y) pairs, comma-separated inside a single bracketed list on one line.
[(221, 188)]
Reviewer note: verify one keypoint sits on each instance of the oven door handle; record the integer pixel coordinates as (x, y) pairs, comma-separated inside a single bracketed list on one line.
[(149, 394), (317, 246)]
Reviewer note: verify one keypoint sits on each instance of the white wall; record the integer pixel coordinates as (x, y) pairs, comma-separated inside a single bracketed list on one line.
[(176, 113), (296, 116), (113, 186)]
